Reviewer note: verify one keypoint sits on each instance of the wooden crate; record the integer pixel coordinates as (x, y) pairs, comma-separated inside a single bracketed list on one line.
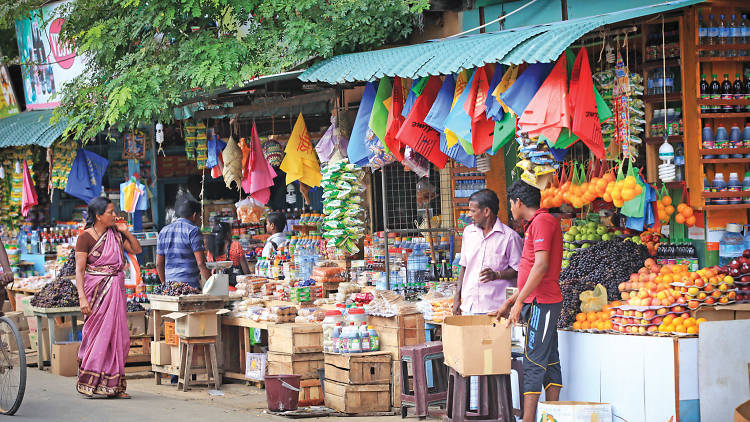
[(354, 399), (305, 365), (295, 338), (140, 349), (396, 384), (360, 368), (310, 393), (396, 332)]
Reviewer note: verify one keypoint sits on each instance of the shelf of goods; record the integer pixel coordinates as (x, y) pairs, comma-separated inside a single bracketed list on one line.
[(659, 139), (724, 115), (657, 98)]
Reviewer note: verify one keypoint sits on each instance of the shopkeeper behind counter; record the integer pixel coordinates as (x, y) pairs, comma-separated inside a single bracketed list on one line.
[(180, 252), (275, 223)]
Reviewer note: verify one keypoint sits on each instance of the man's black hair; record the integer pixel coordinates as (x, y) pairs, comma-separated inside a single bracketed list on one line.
[(186, 205), (486, 198), (278, 219), (529, 195)]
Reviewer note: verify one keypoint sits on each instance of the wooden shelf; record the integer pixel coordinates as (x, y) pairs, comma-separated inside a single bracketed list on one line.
[(726, 161), (725, 195), (711, 207), (719, 151), (658, 98), (703, 101), (469, 178), (725, 47), (660, 139), (724, 115), (724, 59), (657, 64)]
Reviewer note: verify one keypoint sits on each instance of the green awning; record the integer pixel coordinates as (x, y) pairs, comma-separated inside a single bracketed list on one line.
[(29, 128), (531, 44)]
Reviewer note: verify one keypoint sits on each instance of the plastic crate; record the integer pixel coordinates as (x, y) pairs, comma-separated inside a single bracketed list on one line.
[(169, 334)]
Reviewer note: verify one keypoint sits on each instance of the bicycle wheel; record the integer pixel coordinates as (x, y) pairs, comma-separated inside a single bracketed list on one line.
[(12, 367)]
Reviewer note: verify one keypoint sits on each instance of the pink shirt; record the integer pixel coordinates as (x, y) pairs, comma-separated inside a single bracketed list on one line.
[(498, 251)]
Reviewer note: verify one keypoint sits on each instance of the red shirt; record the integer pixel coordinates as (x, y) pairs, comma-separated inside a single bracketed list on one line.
[(543, 233)]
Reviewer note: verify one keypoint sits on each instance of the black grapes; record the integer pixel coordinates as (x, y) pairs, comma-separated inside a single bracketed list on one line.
[(134, 306), (60, 293), (69, 268), (607, 263), (175, 289)]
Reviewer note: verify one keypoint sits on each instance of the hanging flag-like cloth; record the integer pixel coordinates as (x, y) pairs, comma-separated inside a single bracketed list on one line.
[(549, 110), (357, 148), (395, 120), (258, 176), (417, 134), (300, 162), (583, 105)]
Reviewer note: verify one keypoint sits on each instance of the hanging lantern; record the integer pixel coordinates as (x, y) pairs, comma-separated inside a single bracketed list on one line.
[(18, 167), (2, 172)]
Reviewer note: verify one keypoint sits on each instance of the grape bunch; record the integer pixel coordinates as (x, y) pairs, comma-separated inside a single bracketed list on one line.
[(60, 293), (69, 268), (607, 263), (134, 306), (175, 289)]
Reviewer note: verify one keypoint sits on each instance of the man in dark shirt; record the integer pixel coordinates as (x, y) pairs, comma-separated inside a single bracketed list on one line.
[(538, 299)]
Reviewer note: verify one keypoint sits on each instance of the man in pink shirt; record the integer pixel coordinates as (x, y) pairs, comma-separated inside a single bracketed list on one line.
[(490, 255)]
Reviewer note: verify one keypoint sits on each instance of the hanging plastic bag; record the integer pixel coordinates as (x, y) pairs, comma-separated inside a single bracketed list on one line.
[(416, 162), (249, 211), (634, 205)]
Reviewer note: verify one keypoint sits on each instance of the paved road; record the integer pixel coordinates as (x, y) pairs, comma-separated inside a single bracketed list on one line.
[(52, 398)]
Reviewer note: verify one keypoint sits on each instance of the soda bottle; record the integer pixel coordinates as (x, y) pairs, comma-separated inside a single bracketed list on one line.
[(726, 94), (738, 92), (715, 93), (704, 94)]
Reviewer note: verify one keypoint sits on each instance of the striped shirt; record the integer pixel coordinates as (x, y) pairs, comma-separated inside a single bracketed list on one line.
[(178, 242)]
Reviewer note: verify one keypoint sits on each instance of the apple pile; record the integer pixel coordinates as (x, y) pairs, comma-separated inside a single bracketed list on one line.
[(651, 285), (707, 286), (632, 321)]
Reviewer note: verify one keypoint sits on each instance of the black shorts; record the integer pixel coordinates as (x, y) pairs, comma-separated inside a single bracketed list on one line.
[(541, 363)]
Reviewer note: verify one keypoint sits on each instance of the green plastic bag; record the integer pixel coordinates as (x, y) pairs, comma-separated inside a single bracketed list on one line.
[(636, 207)]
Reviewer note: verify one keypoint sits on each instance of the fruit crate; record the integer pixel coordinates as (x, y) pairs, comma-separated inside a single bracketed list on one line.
[(170, 337)]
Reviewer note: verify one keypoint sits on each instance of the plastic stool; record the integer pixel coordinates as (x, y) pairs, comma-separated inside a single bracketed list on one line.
[(495, 399), (187, 346), (423, 358)]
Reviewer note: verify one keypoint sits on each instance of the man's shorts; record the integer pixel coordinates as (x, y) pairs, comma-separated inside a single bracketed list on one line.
[(541, 364)]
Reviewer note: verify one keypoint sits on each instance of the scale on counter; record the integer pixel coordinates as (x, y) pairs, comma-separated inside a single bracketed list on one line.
[(218, 283)]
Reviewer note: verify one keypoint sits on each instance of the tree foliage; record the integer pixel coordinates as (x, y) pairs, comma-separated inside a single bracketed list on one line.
[(144, 57)]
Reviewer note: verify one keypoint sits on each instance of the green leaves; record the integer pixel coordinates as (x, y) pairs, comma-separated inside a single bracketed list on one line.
[(145, 57)]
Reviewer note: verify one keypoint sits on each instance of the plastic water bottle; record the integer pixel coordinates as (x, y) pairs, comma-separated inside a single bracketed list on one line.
[(722, 140), (732, 35), (747, 237), (731, 244), (735, 186), (416, 265), (744, 28), (723, 34), (702, 30), (22, 241), (735, 139), (708, 140), (719, 185), (713, 34), (34, 242)]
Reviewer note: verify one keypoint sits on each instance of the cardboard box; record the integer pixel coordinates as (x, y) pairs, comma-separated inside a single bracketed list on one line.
[(723, 312), (26, 341), (480, 345), (161, 353), (18, 319), (357, 398), (7, 307), (305, 365), (26, 305), (574, 411), (295, 338), (360, 368), (33, 342), (255, 366), (137, 323), (196, 324), (65, 359), (742, 412), (174, 353)]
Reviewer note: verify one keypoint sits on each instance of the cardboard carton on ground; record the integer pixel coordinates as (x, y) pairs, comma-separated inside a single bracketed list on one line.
[(7, 306), (174, 353), (137, 323), (161, 353), (196, 324), (34, 341), (18, 319), (65, 359), (480, 345), (26, 341), (574, 411)]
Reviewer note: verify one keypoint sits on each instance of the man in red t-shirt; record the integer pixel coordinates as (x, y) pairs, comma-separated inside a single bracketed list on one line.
[(538, 300)]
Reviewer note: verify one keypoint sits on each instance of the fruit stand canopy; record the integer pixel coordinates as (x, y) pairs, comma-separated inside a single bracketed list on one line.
[(530, 44), (29, 128)]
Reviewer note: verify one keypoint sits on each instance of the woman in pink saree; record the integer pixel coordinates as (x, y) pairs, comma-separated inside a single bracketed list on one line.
[(101, 291)]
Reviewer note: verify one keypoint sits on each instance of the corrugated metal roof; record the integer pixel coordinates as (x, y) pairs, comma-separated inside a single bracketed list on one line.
[(532, 44), (29, 128)]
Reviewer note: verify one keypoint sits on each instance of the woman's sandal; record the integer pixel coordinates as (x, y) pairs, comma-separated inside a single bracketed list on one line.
[(122, 395)]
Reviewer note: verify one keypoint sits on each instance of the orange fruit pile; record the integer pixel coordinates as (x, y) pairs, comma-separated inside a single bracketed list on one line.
[(685, 215), (622, 191), (593, 320), (681, 324)]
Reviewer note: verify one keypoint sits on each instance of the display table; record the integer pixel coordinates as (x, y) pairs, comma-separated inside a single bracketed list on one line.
[(644, 378), (239, 327), (51, 313)]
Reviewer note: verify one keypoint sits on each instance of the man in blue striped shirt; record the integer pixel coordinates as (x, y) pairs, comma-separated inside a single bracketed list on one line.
[(180, 252)]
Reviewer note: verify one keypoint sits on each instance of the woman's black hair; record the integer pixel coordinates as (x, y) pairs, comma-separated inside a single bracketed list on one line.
[(97, 206), (219, 239)]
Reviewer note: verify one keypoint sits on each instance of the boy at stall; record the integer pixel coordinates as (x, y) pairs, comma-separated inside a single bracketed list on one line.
[(539, 299)]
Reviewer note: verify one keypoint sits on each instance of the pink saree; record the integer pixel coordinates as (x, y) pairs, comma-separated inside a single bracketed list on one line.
[(106, 339)]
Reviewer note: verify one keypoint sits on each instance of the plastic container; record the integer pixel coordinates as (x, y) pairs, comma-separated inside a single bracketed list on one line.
[(356, 315), (374, 339), (747, 238), (719, 185), (746, 186), (282, 392), (746, 138), (708, 140), (734, 185), (707, 188), (731, 244), (364, 338), (329, 323), (735, 139), (336, 338), (722, 140)]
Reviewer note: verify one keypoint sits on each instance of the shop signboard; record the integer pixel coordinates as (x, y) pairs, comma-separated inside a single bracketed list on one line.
[(8, 102), (47, 63)]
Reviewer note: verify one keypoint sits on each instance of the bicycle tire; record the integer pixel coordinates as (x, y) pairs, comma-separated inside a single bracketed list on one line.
[(5, 354)]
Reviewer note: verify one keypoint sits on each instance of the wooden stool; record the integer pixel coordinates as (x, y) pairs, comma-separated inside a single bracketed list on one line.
[(187, 347)]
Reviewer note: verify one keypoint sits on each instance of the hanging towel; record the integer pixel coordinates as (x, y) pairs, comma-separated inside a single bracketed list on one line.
[(28, 198)]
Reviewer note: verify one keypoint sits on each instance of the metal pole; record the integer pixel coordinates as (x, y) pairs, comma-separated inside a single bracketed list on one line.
[(385, 230)]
